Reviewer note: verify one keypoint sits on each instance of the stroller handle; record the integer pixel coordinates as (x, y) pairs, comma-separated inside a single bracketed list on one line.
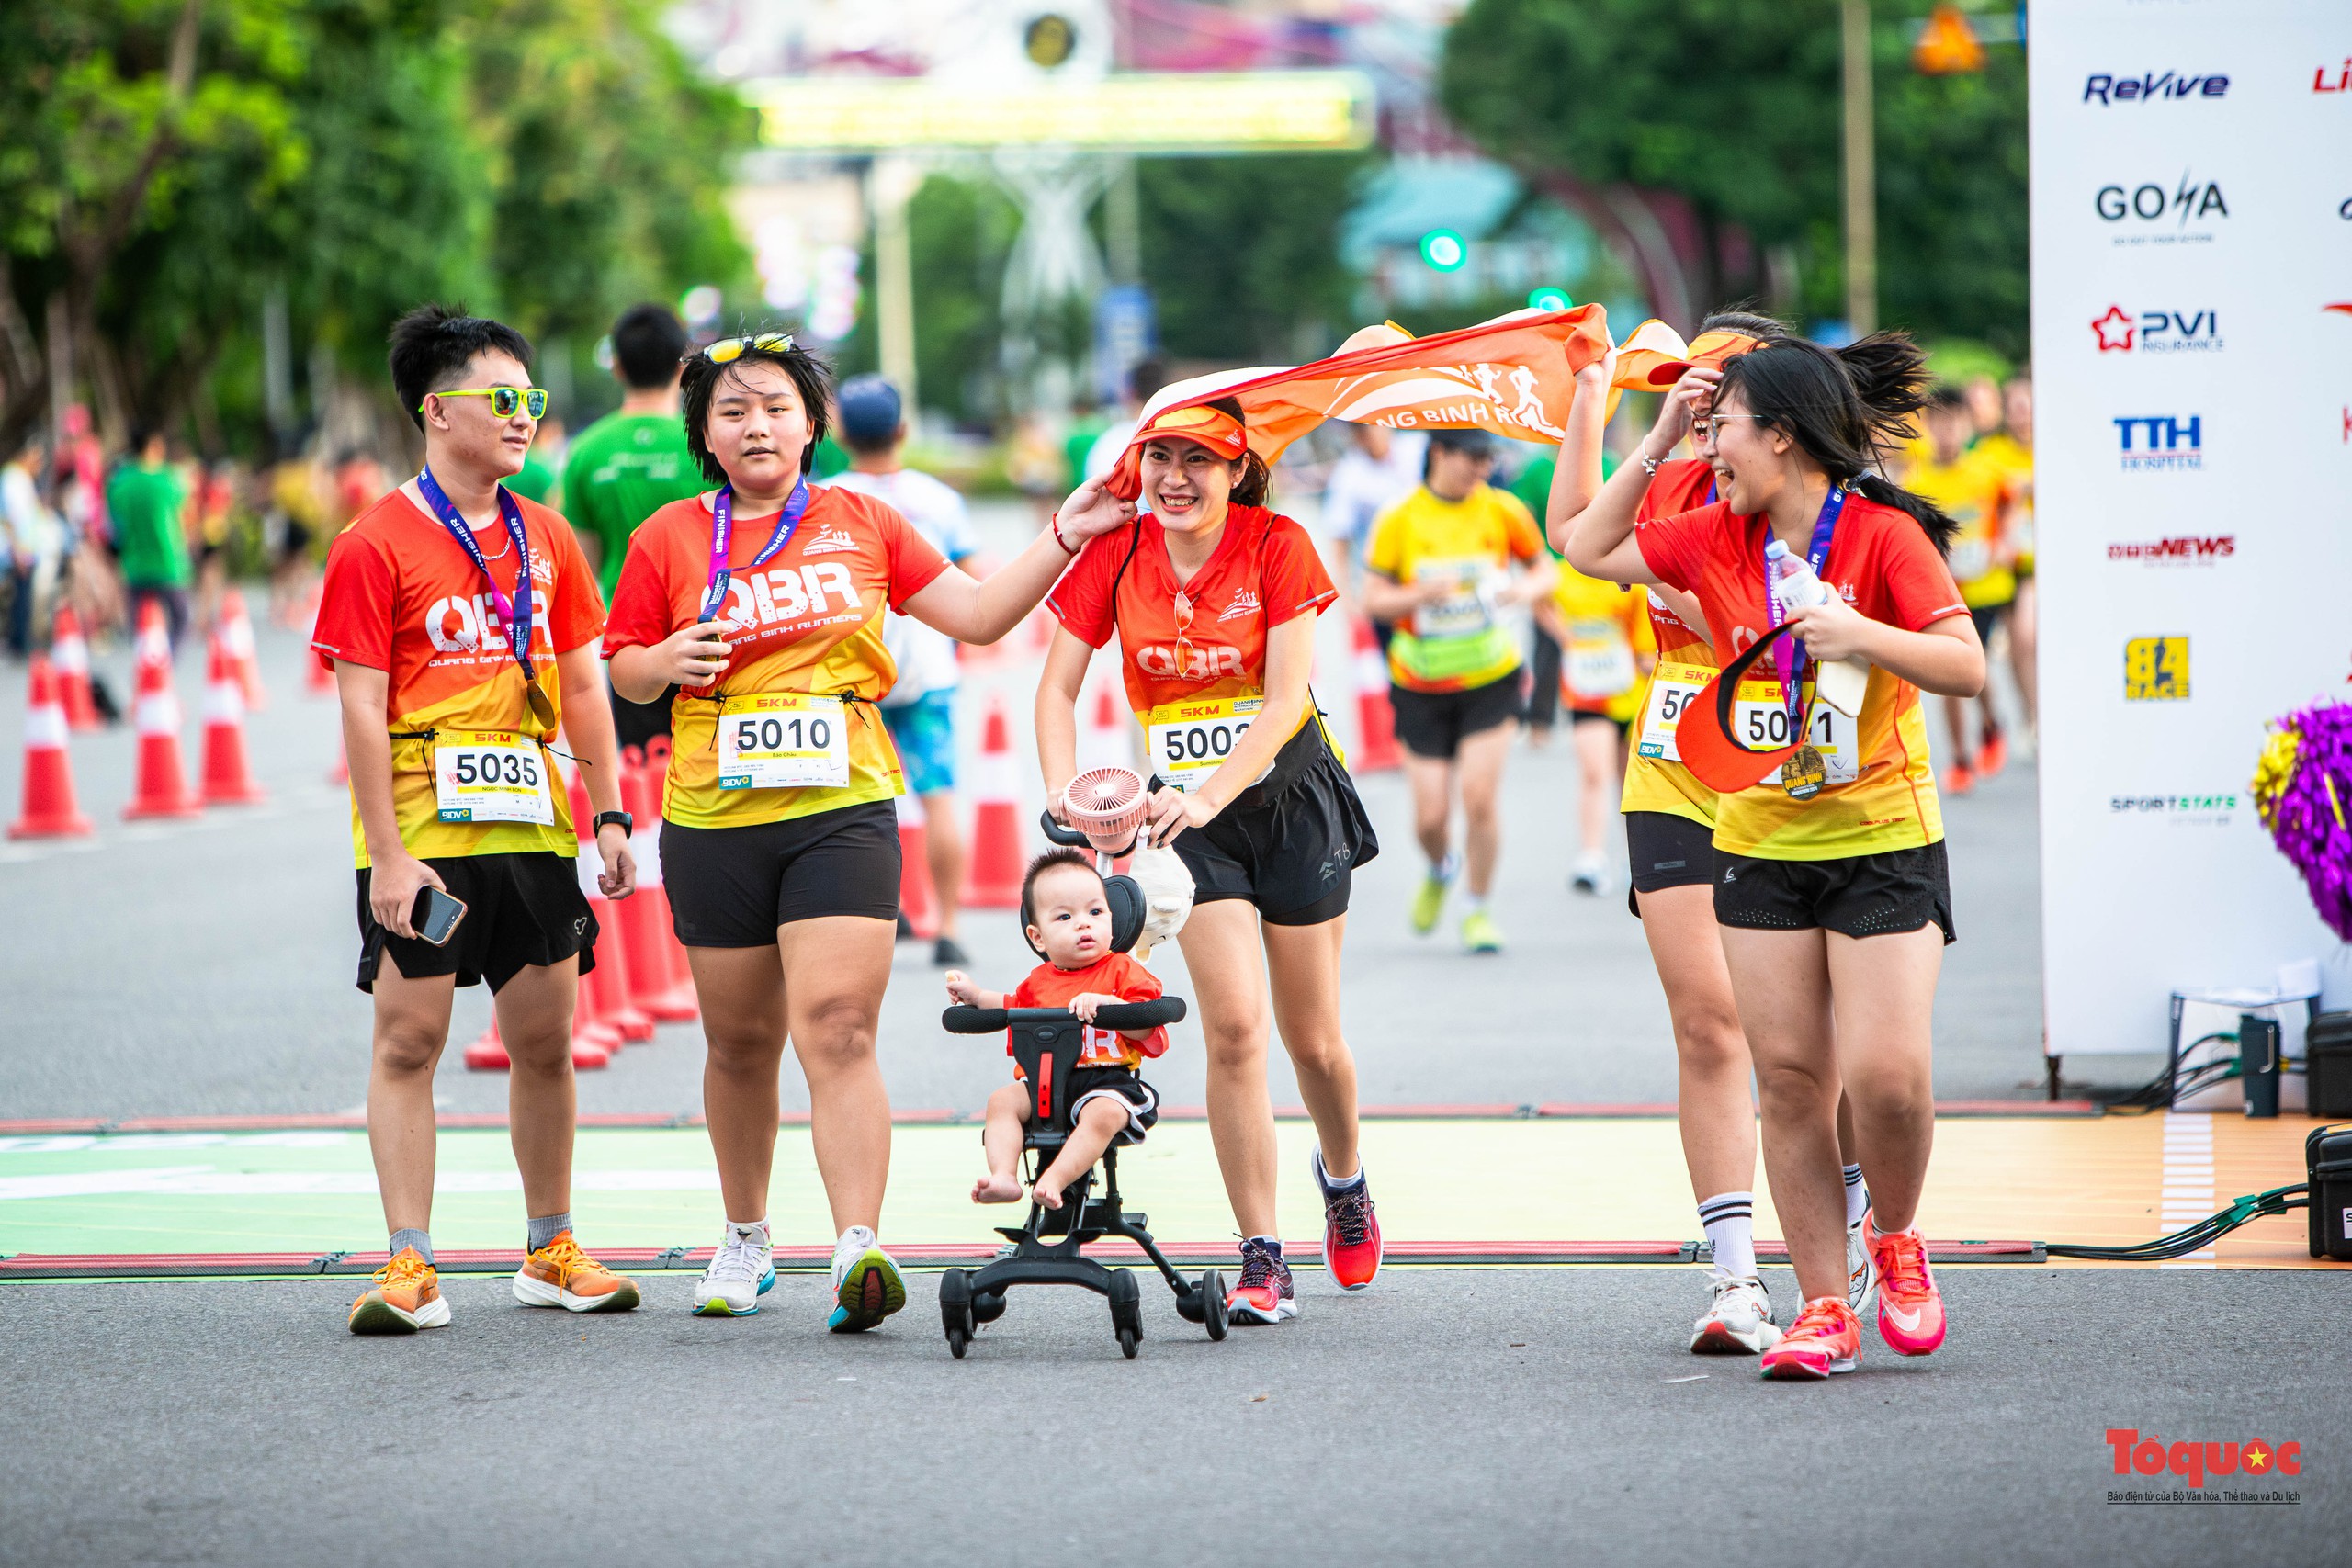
[(1114, 1015), (1072, 839)]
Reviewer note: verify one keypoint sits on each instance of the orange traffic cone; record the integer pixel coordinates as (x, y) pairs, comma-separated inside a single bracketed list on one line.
[(681, 991), (1107, 741), (916, 899), (341, 772), (50, 811), (1375, 719), (646, 913), (607, 983), (69, 653), (162, 783), (488, 1053), (317, 675), (236, 629), (227, 780), (996, 854)]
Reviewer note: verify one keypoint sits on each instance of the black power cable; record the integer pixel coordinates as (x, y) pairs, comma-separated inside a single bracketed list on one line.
[(2196, 1238)]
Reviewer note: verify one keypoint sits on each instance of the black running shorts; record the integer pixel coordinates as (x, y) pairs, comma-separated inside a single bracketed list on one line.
[(1435, 724), (522, 910), (1897, 890), (733, 887), (1666, 850), (1292, 857), (1142, 1102)]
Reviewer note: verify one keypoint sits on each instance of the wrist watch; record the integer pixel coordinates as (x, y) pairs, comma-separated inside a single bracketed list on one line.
[(621, 819)]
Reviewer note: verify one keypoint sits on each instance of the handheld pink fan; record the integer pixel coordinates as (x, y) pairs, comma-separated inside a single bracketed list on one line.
[(1107, 804)]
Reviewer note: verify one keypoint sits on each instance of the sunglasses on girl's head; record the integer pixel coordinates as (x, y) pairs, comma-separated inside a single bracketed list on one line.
[(503, 400), (729, 349)]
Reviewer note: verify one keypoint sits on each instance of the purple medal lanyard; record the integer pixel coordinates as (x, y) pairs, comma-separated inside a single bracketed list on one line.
[(1791, 660), (513, 609), (722, 540)]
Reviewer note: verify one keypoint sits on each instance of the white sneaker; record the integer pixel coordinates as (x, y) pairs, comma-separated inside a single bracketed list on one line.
[(1590, 874), (1738, 1322), (1861, 1274), (741, 1272)]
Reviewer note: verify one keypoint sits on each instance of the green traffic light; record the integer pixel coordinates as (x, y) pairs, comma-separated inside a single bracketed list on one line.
[(1550, 299), (1444, 250)]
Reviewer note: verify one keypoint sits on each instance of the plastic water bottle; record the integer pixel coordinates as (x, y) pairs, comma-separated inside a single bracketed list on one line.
[(1840, 683)]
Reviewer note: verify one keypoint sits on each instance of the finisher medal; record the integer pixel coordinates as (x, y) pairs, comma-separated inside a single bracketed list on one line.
[(1802, 774)]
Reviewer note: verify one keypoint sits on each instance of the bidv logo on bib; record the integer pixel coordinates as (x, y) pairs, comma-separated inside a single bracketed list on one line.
[(2159, 332), (2161, 442), (2180, 212)]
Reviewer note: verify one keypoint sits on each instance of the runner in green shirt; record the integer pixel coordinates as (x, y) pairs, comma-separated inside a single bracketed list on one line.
[(630, 464), (146, 504)]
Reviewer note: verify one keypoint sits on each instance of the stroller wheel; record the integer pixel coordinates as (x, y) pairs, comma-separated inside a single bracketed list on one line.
[(1127, 1342), (1211, 1292), (1127, 1310), (956, 1310)]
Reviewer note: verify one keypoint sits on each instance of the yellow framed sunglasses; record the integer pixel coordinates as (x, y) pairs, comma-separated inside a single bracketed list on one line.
[(729, 349), (503, 400)]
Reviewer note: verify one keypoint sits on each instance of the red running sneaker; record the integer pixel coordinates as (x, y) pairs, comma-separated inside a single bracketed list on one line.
[(1992, 755), (1350, 1231), (1958, 779), (1826, 1337), (1910, 1309), (1265, 1294)]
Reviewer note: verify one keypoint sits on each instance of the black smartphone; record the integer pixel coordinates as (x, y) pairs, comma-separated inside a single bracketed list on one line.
[(435, 915)]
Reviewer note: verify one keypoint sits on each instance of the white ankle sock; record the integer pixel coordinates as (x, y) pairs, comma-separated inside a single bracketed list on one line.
[(1857, 1197), (1730, 1222)]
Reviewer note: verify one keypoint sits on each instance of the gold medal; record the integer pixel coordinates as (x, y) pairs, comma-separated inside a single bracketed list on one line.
[(1803, 773)]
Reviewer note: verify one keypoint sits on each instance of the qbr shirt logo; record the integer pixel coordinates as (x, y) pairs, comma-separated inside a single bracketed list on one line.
[(1202, 661), (783, 594), (469, 624)]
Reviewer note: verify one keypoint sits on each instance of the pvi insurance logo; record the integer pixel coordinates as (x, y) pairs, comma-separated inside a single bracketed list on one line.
[(2194, 1469), (2160, 442), (2157, 332), (2187, 211)]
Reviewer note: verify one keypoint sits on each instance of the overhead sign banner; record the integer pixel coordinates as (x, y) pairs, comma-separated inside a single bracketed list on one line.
[(2192, 227), (1145, 112)]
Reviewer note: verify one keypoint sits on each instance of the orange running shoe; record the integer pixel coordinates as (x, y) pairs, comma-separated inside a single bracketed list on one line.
[(1826, 1337), (1958, 779), (406, 1296), (560, 1274), (1992, 755), (1910, 1308)]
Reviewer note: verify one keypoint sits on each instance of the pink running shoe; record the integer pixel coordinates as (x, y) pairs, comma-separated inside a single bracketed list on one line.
[(1826, 1337), (1910, 1309)]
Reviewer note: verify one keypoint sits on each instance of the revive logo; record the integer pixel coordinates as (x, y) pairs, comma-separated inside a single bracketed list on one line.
[(2102, 88), (2154, 441), (2159, 332), (2193, 1461)]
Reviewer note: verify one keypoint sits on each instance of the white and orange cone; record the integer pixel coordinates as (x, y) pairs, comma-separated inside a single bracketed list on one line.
[(1107, 741), (607, 983), (997, 843), (228, 781), (916, 899), (162, 783), (49, 809), (1376, 749), (236, 629), (69, 653)]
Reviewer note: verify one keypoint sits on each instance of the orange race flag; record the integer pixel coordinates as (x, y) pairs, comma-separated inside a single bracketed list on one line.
[(1514, 376)]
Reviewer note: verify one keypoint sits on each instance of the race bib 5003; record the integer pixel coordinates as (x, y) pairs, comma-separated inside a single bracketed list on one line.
[(1190, 741)]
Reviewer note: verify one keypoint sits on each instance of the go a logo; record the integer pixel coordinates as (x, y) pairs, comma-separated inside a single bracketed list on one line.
[(2195, 1461), (2149, 442), (2159, 332), (2155, 669), (2182, 213), (469, 623)]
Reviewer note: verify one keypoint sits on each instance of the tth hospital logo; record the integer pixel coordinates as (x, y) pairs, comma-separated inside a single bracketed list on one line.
[(2159, 332), (2150, 442)]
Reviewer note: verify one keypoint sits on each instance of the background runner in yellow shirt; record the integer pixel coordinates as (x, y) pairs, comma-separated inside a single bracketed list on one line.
[(1970, 488), (1445, 563), (1606, 651), (2010, 451)]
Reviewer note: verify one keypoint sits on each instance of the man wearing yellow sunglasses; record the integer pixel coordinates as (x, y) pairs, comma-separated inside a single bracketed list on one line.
[(462, 624)]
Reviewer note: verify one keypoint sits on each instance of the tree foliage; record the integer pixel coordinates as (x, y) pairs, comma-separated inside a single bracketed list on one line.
[(1714, 127), (166, 165), (1242, 254)]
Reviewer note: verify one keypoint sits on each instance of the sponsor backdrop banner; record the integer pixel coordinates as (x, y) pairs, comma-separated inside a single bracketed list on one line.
[(2192, 356)]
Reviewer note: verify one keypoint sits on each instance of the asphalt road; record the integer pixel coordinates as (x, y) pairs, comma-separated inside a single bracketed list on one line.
[(205, 967), (1466, 1418)]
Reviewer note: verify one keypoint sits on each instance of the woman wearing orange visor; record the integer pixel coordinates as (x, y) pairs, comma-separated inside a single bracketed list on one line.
[(1214, 598)]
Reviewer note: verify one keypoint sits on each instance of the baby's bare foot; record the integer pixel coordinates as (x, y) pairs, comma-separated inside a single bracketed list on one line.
[(1049, 1193), (994, 1189)]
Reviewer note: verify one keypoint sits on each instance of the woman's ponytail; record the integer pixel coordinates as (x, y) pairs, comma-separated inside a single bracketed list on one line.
[(1889, 376), (1940, 528)]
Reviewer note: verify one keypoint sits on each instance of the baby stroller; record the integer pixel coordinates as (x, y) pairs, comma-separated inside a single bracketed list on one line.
[(1047, 1250)]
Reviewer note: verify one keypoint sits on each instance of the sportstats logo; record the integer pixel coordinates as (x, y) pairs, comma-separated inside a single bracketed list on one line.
[(2178, 810), (2188, 550), (2159, 332), (2100, 87), (2183, 212), (2161, 442), (2194, 1464)]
